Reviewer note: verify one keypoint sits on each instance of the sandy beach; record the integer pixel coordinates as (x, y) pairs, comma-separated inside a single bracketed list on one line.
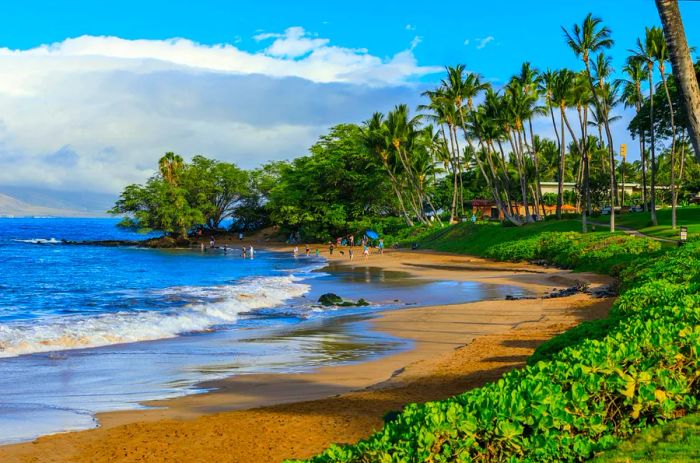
[(267, 418)]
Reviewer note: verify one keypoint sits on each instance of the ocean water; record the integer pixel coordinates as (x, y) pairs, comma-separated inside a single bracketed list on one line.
[(85, 329)]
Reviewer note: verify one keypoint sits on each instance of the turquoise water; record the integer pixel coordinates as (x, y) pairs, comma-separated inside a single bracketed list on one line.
[(85, 329)]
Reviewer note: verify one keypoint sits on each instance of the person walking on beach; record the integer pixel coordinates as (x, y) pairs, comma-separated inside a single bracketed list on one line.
[(366, 251), (352, 240), (317, 252), (381, 245), (251, 251), (307, 250), (351, 253), (330, 248)]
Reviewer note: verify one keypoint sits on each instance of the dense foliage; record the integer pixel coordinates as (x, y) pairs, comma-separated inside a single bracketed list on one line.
[(598, 385), (182, 195)]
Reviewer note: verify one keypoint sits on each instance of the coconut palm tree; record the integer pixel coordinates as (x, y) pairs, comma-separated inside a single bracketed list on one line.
[(170, 167), (591, 37), (645, 53), (682, 64), (660, 53), (529, 80), (376, 139), (442, 111), (632, 97), (562, 96)]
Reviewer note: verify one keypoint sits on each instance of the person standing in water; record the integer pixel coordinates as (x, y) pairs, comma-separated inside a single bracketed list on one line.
[(251, 251), (308, 250), (317, 252), (243, 251), (296, 251)]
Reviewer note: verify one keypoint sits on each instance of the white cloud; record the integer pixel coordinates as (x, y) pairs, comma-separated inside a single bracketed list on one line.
[(484, 41), (95, 113), (295, 43), (415, 42)]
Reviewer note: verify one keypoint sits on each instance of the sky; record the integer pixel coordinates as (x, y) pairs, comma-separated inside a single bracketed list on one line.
[(93, 93)]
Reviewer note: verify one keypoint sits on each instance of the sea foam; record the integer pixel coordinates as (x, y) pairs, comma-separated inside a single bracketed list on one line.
[(222, 306)]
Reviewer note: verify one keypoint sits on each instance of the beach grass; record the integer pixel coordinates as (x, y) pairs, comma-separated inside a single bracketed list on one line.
[(673, 442)]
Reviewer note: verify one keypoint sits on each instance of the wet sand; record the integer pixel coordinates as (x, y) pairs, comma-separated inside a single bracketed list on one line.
[(267, 418)]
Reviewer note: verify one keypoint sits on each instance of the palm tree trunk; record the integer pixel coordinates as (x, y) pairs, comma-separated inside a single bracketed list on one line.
[(453, 208), (652, 205), (610, 147), (674, 193), (562, 156), (538, 191), (682, 64)]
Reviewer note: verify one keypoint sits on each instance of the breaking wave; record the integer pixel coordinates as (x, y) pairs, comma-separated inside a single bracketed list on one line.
[(216, 305)]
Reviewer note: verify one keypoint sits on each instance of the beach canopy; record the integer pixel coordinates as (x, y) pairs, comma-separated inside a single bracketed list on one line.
[(371, 234)]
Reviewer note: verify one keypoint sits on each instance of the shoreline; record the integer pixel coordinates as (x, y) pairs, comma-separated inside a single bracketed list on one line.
[(438, 333)]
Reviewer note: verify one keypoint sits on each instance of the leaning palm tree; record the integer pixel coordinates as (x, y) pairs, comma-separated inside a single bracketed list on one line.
[(660, 53), (645, 53), (591, 37), (376, 140), (632, 97), (683, 69)]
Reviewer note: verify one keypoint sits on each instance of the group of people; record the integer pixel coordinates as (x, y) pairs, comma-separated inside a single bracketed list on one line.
[(350, 242), (246, 251)]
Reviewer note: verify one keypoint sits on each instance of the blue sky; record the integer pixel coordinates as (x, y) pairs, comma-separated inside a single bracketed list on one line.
[(250, 81), (521, 31)]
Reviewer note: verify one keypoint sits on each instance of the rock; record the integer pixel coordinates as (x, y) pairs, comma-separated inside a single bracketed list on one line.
[(330, 299)]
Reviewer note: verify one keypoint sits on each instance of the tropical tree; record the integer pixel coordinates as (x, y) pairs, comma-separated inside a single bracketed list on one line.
[(682, 64), (632, 97), (660, 53), (645, 53), (585, 39)]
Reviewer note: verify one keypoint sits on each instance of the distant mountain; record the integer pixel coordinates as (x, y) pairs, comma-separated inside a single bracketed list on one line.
[(24, 201)]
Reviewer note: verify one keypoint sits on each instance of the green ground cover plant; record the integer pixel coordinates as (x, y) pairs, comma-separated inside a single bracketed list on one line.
[(585, 391)]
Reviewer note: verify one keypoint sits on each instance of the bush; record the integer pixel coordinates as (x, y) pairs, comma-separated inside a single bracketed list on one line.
[(584, 390)]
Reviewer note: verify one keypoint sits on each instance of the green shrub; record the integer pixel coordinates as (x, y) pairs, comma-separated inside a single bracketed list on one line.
[(584, 390)]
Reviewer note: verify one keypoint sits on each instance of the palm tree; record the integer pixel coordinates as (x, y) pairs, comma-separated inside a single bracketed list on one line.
[(562, 96), (463, 87), (529, 78), (645, 53), (682, 64), (170, 167), (375, 138), (632, 97), (591, 37), (660, 53), (442, 111)]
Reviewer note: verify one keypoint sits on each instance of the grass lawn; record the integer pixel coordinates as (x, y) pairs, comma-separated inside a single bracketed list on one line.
[(474, 239), (688, 216), (674, 442)]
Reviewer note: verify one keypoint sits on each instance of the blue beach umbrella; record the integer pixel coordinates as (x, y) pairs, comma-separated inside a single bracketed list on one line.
[(371, 234)]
